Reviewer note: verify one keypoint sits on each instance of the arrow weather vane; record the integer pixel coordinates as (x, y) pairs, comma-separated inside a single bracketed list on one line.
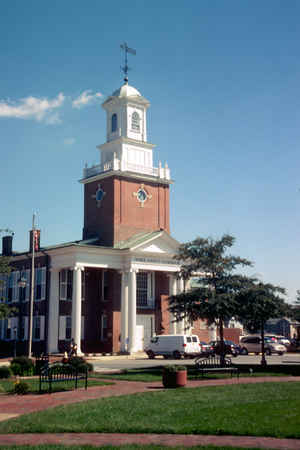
[(126, 68)]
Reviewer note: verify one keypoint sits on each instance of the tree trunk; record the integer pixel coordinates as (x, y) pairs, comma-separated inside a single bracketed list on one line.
[(222, 346), (263, 355)]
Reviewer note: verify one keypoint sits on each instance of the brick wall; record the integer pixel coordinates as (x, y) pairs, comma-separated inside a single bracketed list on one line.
[(120, 215)]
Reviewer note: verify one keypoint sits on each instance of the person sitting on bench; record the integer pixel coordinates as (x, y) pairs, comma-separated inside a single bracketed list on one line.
[(73, 348)]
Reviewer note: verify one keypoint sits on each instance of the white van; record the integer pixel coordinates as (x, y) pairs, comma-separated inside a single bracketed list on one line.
[(174, 346)]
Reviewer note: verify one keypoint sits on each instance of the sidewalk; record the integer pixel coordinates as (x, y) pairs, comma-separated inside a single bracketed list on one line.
[(17, 405)]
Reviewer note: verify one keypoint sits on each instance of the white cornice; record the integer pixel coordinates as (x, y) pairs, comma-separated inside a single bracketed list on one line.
[(125, 174), (125, 140)]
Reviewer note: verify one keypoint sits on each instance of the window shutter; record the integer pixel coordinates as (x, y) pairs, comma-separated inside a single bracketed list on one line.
[(25, 328), (1, 328), (62, 328), (27, 275), (42, 327), (16, 276), (43, 281), (82, 327)]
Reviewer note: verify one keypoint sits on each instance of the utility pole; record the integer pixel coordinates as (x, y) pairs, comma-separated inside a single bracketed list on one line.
[(32, 289)]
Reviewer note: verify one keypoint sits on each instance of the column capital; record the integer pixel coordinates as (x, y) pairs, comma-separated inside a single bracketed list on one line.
[(78, 267), (172, 275)]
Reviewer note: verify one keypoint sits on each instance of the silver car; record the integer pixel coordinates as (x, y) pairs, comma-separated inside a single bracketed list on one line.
[(252, 344)]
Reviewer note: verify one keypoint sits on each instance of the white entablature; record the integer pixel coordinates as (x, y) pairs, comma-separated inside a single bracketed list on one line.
[(126, 148)]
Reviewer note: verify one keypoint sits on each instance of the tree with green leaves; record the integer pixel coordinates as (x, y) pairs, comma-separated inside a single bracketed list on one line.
[(215, 297), (294, 311), (5, 309), (258, 303)]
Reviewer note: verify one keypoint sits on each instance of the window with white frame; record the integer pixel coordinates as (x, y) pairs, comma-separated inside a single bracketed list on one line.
[(22, 331), (145, 289), (114, 122), (7, 329), (103, 327), (36, 328), (83, 285), (10, 287), (68, 327), (40, 283), (104, 285), (65, 284)]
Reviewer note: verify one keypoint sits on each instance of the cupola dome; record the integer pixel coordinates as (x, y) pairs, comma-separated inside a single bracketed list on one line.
[(126, 91)]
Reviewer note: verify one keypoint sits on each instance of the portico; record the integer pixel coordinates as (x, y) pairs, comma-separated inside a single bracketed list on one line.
[(140, 278)]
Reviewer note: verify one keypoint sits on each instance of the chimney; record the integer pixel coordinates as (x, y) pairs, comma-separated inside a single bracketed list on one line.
[(7, 245), (34, 236)]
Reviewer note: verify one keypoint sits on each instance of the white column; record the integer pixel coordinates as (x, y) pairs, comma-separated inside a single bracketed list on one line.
[(180, 324), (212, 332), (76, 308), (124, 312), (53, 312), (132, 312), (172, 291)]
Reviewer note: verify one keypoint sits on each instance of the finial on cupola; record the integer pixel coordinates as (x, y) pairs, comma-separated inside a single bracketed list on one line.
[(125, 69)]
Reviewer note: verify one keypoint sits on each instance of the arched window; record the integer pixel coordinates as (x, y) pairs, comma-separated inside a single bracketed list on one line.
[(114, 123), (135, 121)]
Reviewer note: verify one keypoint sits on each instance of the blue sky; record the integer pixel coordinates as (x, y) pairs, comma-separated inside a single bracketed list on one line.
[(223, 81)]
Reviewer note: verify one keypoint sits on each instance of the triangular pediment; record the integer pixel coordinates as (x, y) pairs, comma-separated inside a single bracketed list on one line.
[(155, 242), (160, 243)]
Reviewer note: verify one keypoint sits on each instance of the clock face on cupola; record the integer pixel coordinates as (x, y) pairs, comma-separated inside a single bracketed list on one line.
[(125, 194)]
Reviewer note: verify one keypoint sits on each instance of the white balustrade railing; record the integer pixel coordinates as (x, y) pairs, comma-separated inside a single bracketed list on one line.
[(116, 164)]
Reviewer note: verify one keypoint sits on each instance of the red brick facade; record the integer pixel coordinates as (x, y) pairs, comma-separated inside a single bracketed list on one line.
[(120, 214)]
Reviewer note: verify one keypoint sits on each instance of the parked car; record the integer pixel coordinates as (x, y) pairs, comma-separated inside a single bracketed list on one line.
[(174, 346), (252, 344), (230, 348), (283, 340), (206, 349)]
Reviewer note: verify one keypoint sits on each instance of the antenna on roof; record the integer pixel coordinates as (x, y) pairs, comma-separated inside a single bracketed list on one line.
[(127, 50)]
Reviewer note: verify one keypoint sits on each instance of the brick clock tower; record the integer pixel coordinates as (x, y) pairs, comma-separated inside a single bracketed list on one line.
[(125, 195)]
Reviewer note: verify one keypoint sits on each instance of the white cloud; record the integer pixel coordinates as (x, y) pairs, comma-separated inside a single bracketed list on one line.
[(69, 141), (85, 98), (39, 109)]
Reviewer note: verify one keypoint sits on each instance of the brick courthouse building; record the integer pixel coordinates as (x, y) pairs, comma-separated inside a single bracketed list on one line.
[(109, 290)]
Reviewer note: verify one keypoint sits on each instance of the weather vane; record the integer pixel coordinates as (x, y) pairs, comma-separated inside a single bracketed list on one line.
[(126, 68)]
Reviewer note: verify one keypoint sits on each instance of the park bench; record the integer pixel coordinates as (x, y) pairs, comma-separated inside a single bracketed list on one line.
[(60, 372), (40, 362), (211, 364)]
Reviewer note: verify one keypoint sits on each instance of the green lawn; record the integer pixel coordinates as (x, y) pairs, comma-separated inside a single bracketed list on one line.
[(8, 385), (155, 373), (262, 409)]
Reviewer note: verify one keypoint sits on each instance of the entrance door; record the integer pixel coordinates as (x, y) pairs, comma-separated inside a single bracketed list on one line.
[(139, 338), (148, 323)]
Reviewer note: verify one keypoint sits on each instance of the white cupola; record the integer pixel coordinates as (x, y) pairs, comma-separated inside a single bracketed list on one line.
[(126, 148), (126, 114)]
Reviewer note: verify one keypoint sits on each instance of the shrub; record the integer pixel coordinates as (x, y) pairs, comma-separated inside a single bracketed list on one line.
[(5, 372), (21, 387), (173, 369), (80, 363), (22, 365), (16, 368)]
